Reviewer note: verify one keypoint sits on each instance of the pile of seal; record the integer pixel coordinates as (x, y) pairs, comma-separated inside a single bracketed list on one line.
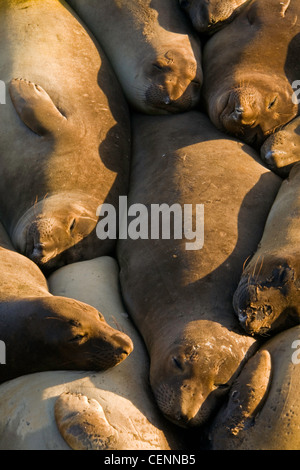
[(116, 111)]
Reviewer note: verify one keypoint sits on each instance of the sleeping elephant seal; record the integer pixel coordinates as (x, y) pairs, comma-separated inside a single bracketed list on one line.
[(64, 139), (153, 49), (263, 410), (282, 149), (249, 68), (178, 292), (209, 16), (268, 296), (37, 411), (45, 332)]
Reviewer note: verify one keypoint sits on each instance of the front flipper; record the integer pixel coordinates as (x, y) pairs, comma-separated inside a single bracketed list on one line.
[(35, 107), (83, 424), (282, 149), (247, 397)]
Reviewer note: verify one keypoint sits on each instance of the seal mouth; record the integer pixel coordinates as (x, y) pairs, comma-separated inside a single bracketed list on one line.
[(159, 98)]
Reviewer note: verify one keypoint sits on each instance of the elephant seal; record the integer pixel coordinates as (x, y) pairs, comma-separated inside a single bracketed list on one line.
[(153, 49), (37, 411), (180, 296), (268, 296), (282, 149), (263, 411), (209, 16), (64, 139), (45, 332), (249, 68)]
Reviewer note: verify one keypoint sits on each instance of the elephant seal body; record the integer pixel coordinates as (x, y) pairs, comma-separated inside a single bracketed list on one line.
[(282, 149), (64, 139), (180, 298), (35, 410), (44, 332), (263, 412), (154, 51), (268, 296), (247, 88), (209, 17)]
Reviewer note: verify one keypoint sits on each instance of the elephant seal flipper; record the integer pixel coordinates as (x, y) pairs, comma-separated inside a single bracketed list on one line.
[(281, 150), (252, 391), (83, 424), (35, 107), (274, 424)]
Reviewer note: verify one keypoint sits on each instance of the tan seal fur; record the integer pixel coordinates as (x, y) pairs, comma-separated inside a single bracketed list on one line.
[(263, 410), (153, 49), (249, 68), (180, 299), (38, 410), (268, 296), (64, 139), (45, 332), (209, 16)]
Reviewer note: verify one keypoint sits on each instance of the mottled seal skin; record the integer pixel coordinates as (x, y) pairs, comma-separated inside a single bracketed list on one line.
[(209, 16), (282, 150), (64, 139), (249, 68), (263, 411), (153, 49), (112, 410), (268, 296), (179, 299), (45, 332)]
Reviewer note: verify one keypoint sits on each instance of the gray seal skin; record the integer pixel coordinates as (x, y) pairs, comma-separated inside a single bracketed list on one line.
[(209, 16), (109, 410), (263, 411), (282, 150), (181, 299), (64, 139), (45, 332), (249, 68), (268, 296), (153, 49)]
